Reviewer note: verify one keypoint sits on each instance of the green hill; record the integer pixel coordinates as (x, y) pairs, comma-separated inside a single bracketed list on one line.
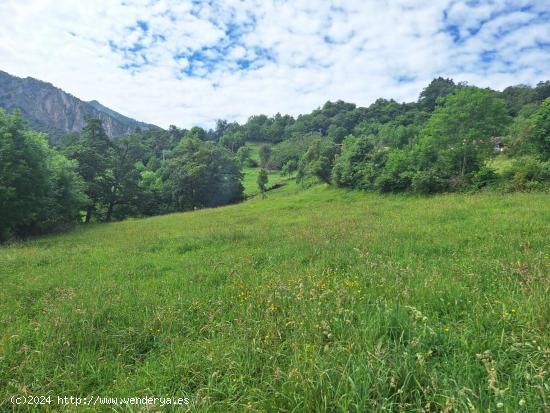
[(318, 300)]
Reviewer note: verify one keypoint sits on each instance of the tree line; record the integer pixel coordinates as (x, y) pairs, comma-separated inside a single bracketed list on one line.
[(455, 137), (90, 178)]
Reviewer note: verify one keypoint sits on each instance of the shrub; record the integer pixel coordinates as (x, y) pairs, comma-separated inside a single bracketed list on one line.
[(527, 174), (428, 182), (483, 177)]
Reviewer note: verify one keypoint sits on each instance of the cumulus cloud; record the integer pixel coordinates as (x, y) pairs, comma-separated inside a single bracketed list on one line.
[(188, 63)]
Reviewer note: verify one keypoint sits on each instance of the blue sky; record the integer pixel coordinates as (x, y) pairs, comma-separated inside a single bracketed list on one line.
[(190, 62)]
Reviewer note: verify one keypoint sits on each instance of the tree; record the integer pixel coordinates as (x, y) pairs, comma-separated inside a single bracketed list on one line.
[(262, 181), (291, 149), (397, 172), (265, 153), (93, 151), (40, 189), (122, 178), (233, 137), (436, 90), (289, 167), (459, 135), (317, 162), (541, 129), (201, 174), (520, 132), (516, 97), (359, 163), (542, 91), (243, 155), (337, 133)]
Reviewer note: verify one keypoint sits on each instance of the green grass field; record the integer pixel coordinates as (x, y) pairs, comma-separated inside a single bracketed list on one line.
[(250, 180), (321, 300)]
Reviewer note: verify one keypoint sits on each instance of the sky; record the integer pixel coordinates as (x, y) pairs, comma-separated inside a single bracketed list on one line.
[(188, 63)]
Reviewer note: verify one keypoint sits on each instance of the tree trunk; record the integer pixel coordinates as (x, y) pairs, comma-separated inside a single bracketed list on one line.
[(463, 171), (88, 214), (109, 211)]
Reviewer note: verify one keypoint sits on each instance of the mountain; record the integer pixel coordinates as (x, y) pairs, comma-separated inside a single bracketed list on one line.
[(51, 110)]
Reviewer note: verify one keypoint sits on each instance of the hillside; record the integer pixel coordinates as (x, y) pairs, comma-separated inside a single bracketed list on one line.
[(51, 110), (317, 300)]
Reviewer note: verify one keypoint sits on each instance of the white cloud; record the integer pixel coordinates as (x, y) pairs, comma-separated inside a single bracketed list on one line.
[(189, 64)]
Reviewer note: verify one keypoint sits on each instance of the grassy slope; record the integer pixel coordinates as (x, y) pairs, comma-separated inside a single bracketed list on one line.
[(323, 300), (250, 181)]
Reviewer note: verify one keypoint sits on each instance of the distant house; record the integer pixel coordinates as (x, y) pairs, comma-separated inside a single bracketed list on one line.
[(499, 145)]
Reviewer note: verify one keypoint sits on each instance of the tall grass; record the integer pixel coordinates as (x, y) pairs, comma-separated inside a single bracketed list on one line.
[(322, 300)]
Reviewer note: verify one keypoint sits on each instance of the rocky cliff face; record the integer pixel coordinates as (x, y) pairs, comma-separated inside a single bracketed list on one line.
[(49, 109)]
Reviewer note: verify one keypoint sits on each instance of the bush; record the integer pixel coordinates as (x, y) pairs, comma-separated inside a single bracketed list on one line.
[(292, 149), (428, 182), (397, 173), (317, 162), (483, 177), (359, 163), (527, 174)]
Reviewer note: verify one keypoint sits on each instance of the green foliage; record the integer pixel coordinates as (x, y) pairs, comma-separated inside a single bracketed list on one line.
[(519, 140), (435, 93), (155, 172), (123, 195), (337, 133), (94, 153), (151, 195), (289, 167), (527, 174), (233, 137), (202, 174), (262, 181), (485, 176), (428, 181), (447, 153), (244, 156), (395, 135), (517, 97), (542, 91), (443, 142), (40, 189), (317, 162), (292, 149), (260, 128), (397, 172), (541, 129), (458, 137), (359, 163), (466, 124), (265, 154)]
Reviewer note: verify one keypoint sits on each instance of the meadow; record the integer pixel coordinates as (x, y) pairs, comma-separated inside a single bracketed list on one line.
[(250, 174), (318, 300)]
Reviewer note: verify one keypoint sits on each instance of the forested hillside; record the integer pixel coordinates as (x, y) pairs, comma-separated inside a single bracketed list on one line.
[(454, 138)]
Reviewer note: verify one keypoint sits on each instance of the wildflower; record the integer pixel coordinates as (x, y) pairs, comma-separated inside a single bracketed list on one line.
[(522, 402), (500, 405)]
